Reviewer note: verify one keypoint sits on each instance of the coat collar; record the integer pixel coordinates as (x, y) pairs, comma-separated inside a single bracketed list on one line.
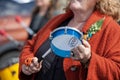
[(91, 20)]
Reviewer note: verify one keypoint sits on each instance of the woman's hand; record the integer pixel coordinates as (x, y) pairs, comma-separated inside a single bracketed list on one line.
[(82, 52), (34, 67)]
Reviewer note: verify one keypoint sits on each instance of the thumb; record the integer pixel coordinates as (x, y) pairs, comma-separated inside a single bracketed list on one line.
[(41, 62), (85, 43)]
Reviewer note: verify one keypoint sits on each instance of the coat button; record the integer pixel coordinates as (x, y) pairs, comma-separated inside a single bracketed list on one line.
[(73, 68)]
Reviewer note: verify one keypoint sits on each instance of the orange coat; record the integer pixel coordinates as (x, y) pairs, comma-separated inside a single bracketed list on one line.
[(105, 45)]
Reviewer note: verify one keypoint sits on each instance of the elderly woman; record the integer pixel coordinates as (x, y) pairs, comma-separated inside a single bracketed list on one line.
[(98, 58)]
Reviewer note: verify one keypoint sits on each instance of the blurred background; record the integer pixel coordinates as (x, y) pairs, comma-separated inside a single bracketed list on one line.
[(20, 20)]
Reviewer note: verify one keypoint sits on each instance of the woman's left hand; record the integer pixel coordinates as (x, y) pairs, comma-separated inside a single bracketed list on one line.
[(82, 52)]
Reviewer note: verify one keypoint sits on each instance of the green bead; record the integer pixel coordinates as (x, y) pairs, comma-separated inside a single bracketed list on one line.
[(89, 35)]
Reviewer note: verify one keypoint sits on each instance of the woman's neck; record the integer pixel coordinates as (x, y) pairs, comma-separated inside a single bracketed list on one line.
[(80, 16), (79, 19)]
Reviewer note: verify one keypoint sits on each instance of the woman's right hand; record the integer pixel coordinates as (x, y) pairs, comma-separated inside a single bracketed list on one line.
[(34, 67)]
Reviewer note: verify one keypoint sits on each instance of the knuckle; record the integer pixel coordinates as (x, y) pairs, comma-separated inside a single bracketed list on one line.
[(35, 59), (31, 65), (26, 72), (34, 68), (81, 57), (36, 64)]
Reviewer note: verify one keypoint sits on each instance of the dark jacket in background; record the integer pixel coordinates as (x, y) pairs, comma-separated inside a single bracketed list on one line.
[(37, 23), (119, 22)]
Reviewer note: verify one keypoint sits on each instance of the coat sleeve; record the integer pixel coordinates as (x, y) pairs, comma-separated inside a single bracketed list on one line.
[(27, 52), (107, 66), (30, 46)]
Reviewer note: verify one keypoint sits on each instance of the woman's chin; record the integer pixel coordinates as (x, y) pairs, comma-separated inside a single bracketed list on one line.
[(74, 8)]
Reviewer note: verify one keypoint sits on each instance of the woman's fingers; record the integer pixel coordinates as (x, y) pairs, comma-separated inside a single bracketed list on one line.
[(35, 66), (85, 43), (32, 68), (25, 70), (82, 52), (35, 61), (75, 54), (81, 48), (40, 66)]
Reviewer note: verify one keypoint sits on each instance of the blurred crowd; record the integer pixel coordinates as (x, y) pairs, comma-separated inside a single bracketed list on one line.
[(45, 10)]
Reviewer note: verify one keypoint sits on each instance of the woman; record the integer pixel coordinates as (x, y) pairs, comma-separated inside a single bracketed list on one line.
[(119, 22), (98, 58), (60, 4), (41, 14)]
